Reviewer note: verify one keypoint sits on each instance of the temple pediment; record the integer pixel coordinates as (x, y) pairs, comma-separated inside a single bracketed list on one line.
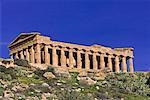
[(22, 37)]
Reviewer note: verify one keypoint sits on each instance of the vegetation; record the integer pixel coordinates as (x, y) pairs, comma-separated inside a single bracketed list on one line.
[(115, 86)]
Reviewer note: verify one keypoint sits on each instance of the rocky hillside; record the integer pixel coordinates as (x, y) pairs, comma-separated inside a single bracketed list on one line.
[(24, 82)]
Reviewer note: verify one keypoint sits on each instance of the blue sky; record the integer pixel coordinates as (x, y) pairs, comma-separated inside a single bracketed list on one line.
[(116, 23)]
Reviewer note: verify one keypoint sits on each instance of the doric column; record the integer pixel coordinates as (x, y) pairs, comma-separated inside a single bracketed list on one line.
[(79, 63), (95, 62), (124, 65), (117, 68), (109, 62), (27, 54), (87, 61), (38, 53), (63, 58), (55, 58), (32, 55), (102, 62), (11, 56), (47, 56), (131, 65), (71, 59), (17, 55), (21, 54)]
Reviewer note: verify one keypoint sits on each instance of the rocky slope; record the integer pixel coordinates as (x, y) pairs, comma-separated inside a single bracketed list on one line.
[(24, 82)]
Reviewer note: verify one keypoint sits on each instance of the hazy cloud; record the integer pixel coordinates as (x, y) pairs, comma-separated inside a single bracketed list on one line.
[(4, 43)]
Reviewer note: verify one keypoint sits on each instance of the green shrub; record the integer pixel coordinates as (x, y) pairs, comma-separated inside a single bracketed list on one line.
[(3, 68), (39, 72), (1, 91), (72, 95), (50, 69), (135, 84), (22, 62), (29, 80)]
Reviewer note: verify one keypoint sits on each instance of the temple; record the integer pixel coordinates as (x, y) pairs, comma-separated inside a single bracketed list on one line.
[(39, 49)]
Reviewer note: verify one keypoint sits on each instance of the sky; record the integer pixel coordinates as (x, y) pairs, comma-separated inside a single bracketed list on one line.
[(112, 23)]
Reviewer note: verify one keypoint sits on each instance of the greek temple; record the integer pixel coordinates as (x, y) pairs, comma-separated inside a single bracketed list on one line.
[(39, 49)]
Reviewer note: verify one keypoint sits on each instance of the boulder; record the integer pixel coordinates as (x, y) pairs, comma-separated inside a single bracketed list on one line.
[(19, 88), (45, 85), (8, 94), (61, 72), (86, 81), (39, 66), (48, 95), (49, 75), (101, 75)]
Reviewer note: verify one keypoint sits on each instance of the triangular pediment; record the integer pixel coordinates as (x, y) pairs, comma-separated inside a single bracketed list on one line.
[(22, 37)]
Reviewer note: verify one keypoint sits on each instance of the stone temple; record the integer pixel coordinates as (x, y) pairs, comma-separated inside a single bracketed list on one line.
[(38, 49)]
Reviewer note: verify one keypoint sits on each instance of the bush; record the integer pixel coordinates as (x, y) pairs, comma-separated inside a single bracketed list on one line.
[(6, 77), (72, 95), (27, 80), (134, 84), (22, 62), (3, 68), (39, 72), (1, 91), (50, 69)]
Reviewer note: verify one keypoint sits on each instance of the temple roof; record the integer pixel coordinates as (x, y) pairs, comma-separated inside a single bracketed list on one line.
[(22, 36)]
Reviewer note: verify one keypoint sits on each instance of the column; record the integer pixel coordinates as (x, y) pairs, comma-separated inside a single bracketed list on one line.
[(117, 68), (102, 62), (21, 54), (27, 54), (17, 55), (38, 53), (47, 56), (11, 56), (131, 65), (109, 62), (87, 61), (124, 65), (79, 63), (63, 58), (94, 61), (55, 58), (32, 55), (71, 58)]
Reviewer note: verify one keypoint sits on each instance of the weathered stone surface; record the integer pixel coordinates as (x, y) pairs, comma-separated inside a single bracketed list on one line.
[(61, 72), (100, 75), (83, 73), (40, 66), (86, 81), (45, 85), (8, 94), (48, 95), (49, 75)]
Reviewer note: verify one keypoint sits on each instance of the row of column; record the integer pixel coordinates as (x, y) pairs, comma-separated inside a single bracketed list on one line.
[(32, 54), (29, 53), (87, 62)]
